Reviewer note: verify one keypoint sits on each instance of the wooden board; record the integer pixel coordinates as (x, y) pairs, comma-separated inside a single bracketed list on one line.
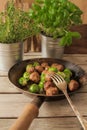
[(78, 45), (45, 123)]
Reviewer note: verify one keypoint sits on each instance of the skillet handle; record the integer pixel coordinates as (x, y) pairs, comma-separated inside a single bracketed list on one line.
[(30, 112)]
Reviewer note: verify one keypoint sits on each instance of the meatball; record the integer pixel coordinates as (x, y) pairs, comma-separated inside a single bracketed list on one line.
[(47, 77), (73, 85), (58, 66), (47, 67), (44, 72), (39, 68), (48, 84), (44, 64), (54, 64), (35, 77), (52, 91)]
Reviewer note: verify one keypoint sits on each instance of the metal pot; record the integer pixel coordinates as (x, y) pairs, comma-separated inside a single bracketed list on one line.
[(51, 48), (10, 54)]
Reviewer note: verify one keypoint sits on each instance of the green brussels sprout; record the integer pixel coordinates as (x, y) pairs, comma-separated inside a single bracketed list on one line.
[(26, 75), (29, 65), (67, 79), (61, 74), (53, 69), (29, 68), (43, 77), (68, 72), (34, 88), (35, 64), (41, 84), (22, 81)]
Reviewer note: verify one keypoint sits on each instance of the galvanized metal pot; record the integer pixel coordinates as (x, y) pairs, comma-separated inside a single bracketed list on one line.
[(10, 54), (50, 47)]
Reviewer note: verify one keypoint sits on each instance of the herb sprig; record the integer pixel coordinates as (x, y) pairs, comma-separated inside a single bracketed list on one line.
[(15, 24)]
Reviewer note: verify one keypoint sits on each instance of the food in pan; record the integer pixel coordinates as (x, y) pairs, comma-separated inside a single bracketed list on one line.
[(36, 78)]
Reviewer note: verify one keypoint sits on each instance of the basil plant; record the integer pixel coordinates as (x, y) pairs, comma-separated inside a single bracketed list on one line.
[(55, 17)]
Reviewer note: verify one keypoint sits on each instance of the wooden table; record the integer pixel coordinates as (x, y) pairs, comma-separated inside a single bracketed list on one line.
[(52, 115)]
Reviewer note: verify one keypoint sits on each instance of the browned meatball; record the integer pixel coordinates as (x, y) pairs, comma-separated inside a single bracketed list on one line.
[(48, 84), (73, 85), (44, 64), (47, 67), (44, 72), (52, 91), (35, 77), (47, 77), (39, 68), (58, 66), (54, 64)]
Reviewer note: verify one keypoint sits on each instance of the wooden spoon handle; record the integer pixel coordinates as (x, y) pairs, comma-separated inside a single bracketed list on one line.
[(30, 112)]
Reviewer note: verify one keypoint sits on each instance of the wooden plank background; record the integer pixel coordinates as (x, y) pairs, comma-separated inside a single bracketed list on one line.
[(78, 45)]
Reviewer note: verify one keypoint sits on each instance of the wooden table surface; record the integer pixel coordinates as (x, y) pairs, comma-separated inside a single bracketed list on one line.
[(56, 115)]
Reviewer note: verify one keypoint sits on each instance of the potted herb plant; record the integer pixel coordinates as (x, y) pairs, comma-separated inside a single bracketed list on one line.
[(54, 19), (15, 27)]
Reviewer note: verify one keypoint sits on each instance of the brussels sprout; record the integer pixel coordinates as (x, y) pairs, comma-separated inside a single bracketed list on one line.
[(34, 88), (29, 68), (61, 74), (68, 72), (35, 64), (29, 65), (53, 69), (43, 77), (67, 79), (22, 81), (41, 84), (26, 75)]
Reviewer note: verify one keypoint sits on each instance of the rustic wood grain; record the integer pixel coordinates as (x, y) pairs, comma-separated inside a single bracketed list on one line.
[(11, 106), (45, 123)]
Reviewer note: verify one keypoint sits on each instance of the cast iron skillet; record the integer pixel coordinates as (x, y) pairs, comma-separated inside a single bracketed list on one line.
[(31, 110)]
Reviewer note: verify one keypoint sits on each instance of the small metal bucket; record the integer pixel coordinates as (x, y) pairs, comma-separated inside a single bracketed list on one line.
[(10, 54), (50, 47)]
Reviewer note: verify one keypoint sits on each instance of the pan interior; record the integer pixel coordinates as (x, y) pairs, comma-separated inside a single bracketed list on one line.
[(17, 70)]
